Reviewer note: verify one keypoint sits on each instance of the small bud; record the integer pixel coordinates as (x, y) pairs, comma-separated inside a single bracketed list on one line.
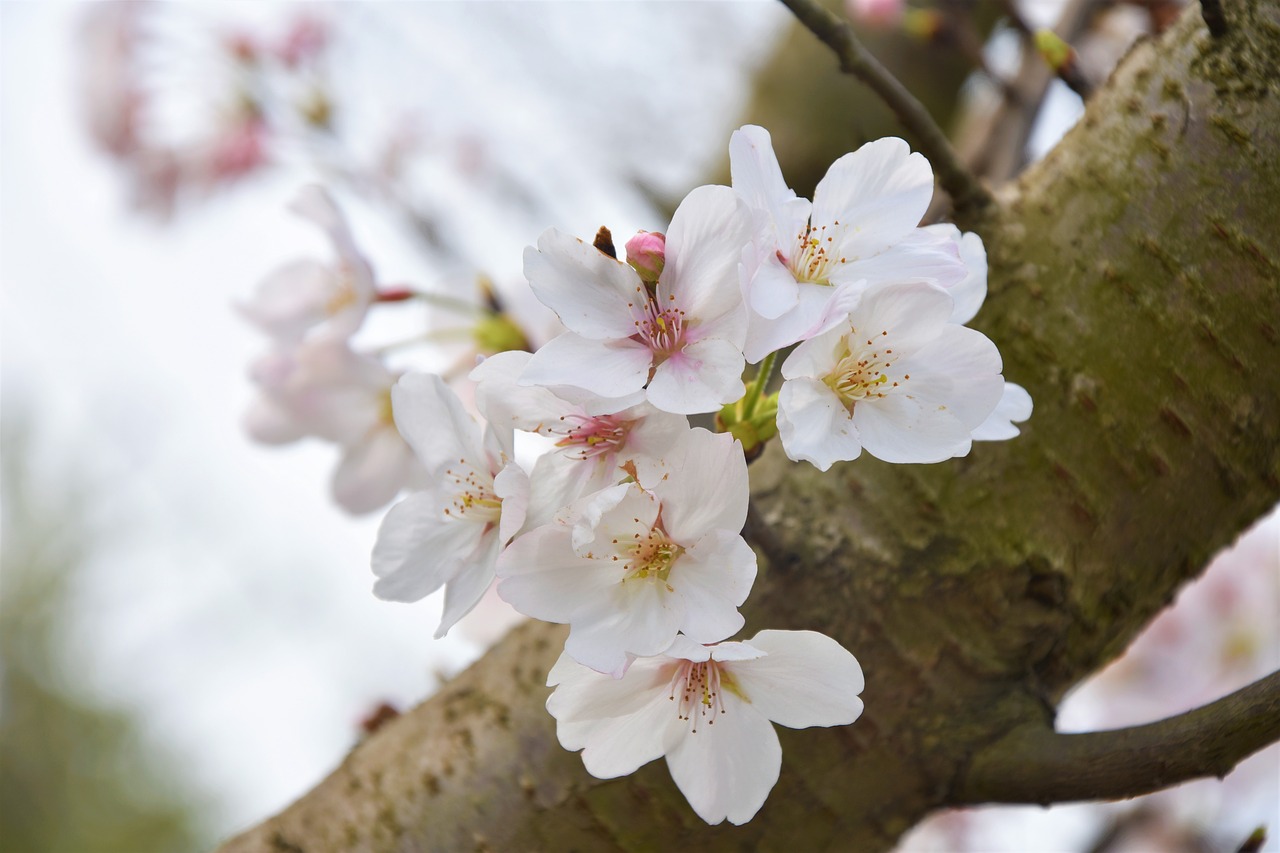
[(498, 333), (647, 253), (1056, 52), (876, 14)]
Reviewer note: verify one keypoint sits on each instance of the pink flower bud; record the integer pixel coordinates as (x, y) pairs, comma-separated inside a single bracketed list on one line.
[(876, 14), (647, 253)]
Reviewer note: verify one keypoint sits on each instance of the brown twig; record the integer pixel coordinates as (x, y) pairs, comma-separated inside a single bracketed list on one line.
[(965, 189), (1035, 764)]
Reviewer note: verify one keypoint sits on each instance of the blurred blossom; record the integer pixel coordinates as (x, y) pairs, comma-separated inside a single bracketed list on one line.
[(877, 14)]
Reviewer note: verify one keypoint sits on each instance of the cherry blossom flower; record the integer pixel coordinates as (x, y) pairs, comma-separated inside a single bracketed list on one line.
[(709, 710), (307, 294), (896, 378), (682, 337), (859, 231), (324, 389), (630, 566), (449, 534), (594, 436)]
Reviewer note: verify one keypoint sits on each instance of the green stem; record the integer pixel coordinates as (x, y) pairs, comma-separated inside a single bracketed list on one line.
[(757, 386)]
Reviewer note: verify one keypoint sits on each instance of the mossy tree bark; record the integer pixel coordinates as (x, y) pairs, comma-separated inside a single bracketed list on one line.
[(1135, 291)]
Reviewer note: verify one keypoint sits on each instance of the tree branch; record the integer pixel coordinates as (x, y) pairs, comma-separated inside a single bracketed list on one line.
[(1035, 764), (965, 189)]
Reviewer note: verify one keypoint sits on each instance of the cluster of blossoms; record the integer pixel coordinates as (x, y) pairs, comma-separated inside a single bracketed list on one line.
[(314, 383), (629, 527)]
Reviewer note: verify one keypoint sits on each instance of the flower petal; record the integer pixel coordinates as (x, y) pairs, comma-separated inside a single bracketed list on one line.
[(814, 425), (419, 549), (702, 377), (464, 591), (372, 471), (608, 368), (639, 618), (727, 769), (805, 679), (714, 577), (1014, 407), (704, 248), (709, 490), (878, 194), (903, 428), (589, 290)]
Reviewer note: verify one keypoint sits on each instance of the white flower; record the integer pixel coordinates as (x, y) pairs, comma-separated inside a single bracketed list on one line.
[(896, 378), (324, 389), (627, 568), (594, 436), (859, 231), (1014, 408), (305, 294), (682, 338), (450, 533), (708, 710)]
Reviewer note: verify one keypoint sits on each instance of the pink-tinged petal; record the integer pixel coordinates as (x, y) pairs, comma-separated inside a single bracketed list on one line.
[(754, 169), (708, 487), (651, 439), (727, 769), (372, 471), (805, 679), (464, 591), (714, 578), (930, 255), (878, 194), (511, 485), (639, 618), (970, 293), (700, 378), (431, 418), (419, 549), (900, 428), (542, 577), (818, 310), (814, 425), (590, 291), (704, 247), (558, 481), (1014, 407), (608, 368)]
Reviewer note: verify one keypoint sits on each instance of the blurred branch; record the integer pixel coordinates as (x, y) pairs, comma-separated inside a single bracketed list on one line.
[(965, 189), (1035, 764)]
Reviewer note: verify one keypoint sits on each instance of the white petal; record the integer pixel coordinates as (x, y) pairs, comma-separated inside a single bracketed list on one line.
[(771, 288), (585, 703), (754, 169), (270, 422), (700, 378), (291, 300), (972, 290), (959, 370), (805, 679), (707, 489), (542, 577), (619, 746), (714, 578), (929, 255), (501, 399), (704, 248), (814, 425), (638, 618), (607, 368), (465, 590), (372, 471), (589, 290), (511, 485), (431, 418), (726, 770), (419, 549), (315, 204), (913, 314), (878, 194), (900, 428), (1014, 407)]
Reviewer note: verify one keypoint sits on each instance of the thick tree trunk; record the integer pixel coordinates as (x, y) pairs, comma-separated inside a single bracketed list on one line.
[(1134, 292)]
